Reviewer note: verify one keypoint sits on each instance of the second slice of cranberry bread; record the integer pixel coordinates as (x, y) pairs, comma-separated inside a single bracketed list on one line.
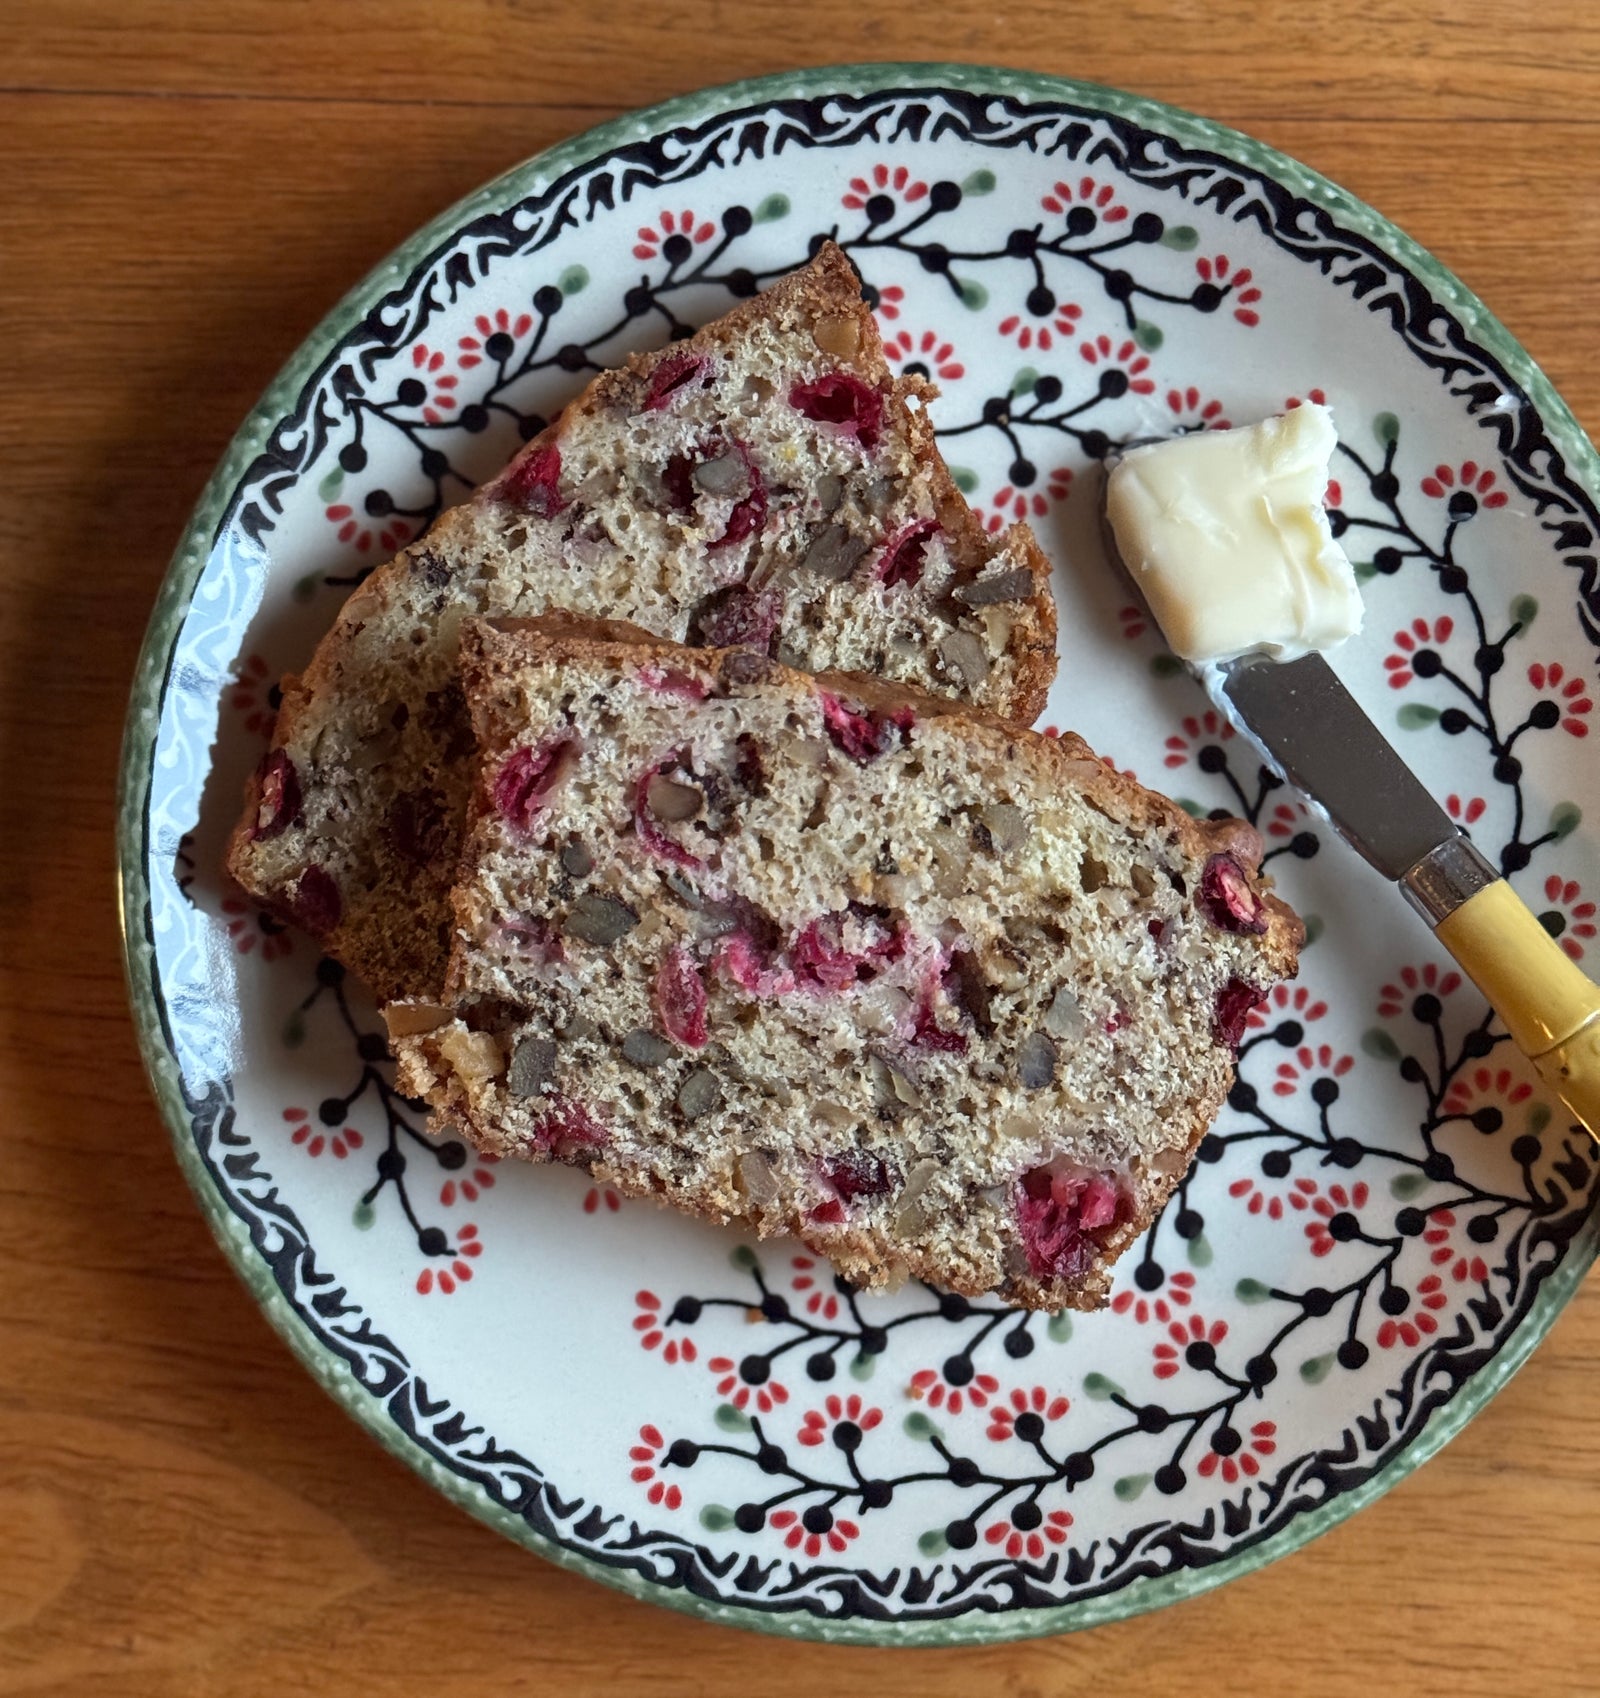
[(766, 482), (940, 996)]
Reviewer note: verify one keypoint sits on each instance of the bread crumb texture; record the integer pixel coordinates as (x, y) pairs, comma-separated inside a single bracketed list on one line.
[(825, 956)]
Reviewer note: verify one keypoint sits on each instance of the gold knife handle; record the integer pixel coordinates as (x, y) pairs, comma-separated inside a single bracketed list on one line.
[(1572, 1070), (1550, 1006)]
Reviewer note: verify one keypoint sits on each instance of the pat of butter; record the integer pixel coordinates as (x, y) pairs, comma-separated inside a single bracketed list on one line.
[(1225, 535)]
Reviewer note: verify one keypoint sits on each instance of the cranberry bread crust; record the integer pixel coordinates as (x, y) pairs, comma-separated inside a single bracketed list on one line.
[(766, 482), (940, 996)]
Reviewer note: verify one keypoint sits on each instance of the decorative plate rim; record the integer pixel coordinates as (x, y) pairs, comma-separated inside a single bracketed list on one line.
[(148, 694)]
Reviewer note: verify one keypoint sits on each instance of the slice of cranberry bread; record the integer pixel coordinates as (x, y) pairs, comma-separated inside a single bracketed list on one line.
[(766, 483), (940, 996)]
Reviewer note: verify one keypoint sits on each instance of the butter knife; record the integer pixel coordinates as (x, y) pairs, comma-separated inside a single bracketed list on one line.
[(1311, 730)]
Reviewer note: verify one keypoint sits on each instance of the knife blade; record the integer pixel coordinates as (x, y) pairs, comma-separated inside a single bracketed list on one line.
[(1314, 732)]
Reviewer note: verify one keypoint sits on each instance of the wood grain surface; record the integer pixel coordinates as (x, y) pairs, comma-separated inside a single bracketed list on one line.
[(184, 190)]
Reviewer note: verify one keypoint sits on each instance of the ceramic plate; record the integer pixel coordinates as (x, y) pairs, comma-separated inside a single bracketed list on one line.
[(1388, 1214)]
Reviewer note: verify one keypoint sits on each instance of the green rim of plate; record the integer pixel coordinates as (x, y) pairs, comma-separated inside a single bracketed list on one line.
[(149, 689)]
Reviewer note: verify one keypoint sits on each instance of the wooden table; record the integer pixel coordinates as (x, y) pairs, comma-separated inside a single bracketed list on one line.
[(184, 189)]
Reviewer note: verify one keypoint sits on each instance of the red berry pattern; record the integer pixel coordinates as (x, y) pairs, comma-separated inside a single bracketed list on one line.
[(889, 180), (927, 353), (673, 236)]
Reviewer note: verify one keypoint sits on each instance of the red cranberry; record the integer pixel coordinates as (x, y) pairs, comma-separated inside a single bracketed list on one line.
[(927, 1033), (278, 796), (741, 618), (316, 902), (829, 1212), (418, 826), (533, 483), (668, 681), (749, 517), (821, 959), (567, 1128), (1097, 1205), (849, 730), (645, 827), (741, 957), (902, 560), (1058, 1213), (858, 1173), (749, 768), (681, 999), (1233, 1007), (864, 736), (838, 398), (672, 376), (530, 777), (1226, 899)]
